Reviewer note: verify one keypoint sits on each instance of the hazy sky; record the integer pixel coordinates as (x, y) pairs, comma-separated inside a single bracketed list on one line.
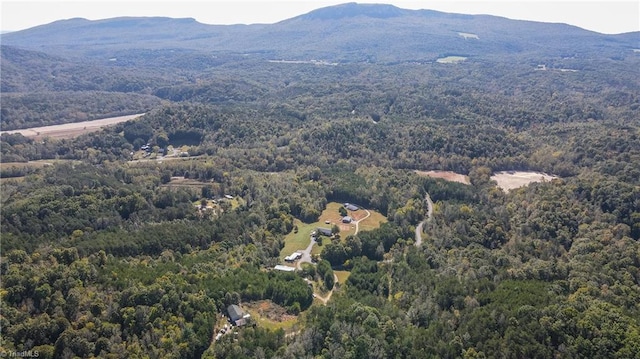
[(603, 16)]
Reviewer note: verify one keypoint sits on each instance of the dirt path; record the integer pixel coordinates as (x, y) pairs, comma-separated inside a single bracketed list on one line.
[(360, 220), (326, 299), (421, 224)]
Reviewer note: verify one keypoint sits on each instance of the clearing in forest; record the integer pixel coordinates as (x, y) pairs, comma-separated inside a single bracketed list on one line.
[(467, 35), (330, 216), (342, 275), (446, 175), (70, 130), (508, 180), (451, 59), (179, 181), (269, 315)]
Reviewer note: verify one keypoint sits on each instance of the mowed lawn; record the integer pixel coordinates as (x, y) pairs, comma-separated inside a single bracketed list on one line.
[(372, 222), (318, 249), (298, 241)]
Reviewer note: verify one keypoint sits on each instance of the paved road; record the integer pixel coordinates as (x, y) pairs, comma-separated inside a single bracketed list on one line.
[(421, 224), (306, 254)]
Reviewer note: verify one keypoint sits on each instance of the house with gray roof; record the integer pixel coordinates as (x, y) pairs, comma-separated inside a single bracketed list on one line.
[(237, 315)]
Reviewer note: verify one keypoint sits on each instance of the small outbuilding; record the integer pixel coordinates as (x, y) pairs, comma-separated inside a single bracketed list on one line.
[(347, 219)]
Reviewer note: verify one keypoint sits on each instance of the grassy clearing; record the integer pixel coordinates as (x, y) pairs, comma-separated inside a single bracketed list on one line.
[(342, 275), (235, 202), (330, 214), (372, 222), (297, 241)]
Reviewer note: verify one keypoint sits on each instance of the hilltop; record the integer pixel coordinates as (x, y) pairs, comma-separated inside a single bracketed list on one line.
[(348, 33)]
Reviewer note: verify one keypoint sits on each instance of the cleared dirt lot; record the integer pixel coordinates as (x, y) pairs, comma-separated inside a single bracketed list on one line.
[(446, 175), (513, 179), (70, 130)]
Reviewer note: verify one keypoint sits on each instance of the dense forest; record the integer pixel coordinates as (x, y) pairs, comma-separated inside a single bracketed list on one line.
[(132, 241)]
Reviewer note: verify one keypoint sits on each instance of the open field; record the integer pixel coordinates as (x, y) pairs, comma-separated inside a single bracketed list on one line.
[(332, 215), (446, 175), (297, 241), (514, 179), (70, 130), (372, 222)]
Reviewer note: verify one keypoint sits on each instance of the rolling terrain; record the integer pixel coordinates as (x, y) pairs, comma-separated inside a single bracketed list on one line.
[(133, 240)]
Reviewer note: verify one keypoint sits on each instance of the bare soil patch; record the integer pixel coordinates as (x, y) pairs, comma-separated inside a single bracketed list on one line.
[(508, 180), (70, 130), (268, 310), (345, 227), (446, 175)]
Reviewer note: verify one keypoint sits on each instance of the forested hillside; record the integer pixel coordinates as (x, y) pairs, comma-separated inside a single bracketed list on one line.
[(132, 241)]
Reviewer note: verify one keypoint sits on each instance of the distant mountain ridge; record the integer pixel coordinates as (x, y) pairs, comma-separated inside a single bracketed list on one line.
[(348, 33)]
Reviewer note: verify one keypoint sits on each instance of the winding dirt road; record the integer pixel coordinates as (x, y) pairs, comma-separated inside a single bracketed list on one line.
[(421, 224), (360, 220)]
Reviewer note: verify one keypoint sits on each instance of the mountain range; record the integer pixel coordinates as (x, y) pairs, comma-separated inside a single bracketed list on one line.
[(343, 33)]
